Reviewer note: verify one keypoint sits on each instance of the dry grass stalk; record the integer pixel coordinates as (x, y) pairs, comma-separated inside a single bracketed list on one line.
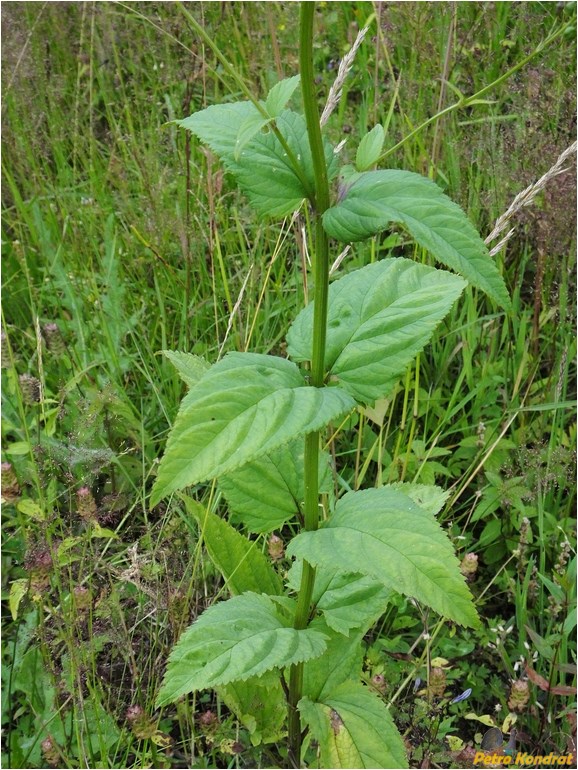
[(526, 198), (344, 66)]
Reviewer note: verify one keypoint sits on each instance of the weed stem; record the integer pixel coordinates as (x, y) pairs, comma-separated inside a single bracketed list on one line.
[(321, 276)]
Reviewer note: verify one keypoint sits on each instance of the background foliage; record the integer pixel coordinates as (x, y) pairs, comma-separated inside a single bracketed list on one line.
[(122, 238)]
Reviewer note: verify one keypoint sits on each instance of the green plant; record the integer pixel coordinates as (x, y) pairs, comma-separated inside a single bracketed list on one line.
[(244, 419)]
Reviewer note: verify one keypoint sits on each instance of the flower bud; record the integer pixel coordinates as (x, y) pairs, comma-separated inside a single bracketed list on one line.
[(276, 548), (469, 566), (86, 504), (82, 597), (141, 725), (4, 350), (10, 486), (519, 695), (53, 339), (209, 720), (437, 682), (29, 388), (50, 752)]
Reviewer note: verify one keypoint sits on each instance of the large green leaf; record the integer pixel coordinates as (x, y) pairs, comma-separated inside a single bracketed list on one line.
[(233, 641), (370, 148), (377, 198), (354, 729), (348, 601), (190, 367), (379, 318), (384, 534), (260, 705), (267, 492), (342, 660), (243, 407), (428, 496), (238, 559), (280, 94), (261, 167)]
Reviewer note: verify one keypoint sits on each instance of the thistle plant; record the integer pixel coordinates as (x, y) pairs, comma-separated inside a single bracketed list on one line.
[(284, 652)]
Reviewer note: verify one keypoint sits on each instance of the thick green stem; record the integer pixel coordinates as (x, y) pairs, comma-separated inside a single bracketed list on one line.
[(321, 277)]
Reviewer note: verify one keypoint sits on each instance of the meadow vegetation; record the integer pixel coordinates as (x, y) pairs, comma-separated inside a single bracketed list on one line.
[(123, 237)]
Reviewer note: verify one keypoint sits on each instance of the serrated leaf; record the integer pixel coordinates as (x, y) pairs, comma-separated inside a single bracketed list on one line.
[(247, 130), (238, 559), (190, 367), (370, 148), (347, 600), (429, 497), (264, 171), (262, 168), (260, 705), (245, 406), (354, 729), (438, 224), (267, 492), (379, 318), (280, 94), (383, 534), (233, 641), (218, 126), (342, 660)]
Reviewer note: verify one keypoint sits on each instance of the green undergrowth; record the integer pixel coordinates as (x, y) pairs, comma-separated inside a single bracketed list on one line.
[(122, 238)]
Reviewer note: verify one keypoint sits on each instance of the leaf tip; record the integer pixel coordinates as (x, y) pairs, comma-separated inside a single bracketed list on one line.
[(157, 494)]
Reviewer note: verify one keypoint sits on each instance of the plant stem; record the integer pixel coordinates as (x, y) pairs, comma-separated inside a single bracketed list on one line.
[(321, 277)]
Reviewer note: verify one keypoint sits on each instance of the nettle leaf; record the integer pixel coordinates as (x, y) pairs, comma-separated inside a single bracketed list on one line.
[(248, 129), (190, 367), (278, 97), (342, 660), (347, 600), (259, 704), (237, 558), (265, 173), (384, 534), (428, 496), (377, 198), (370, 148), (246, 405), (267, 492), (280, 94), (379, 318), (218, 126), (354, 729), (262, 167), (233, 641)]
